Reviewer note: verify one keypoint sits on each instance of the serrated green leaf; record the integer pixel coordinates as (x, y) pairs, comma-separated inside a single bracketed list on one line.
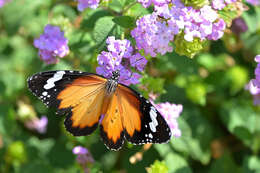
[(125, 21), (104, 27)]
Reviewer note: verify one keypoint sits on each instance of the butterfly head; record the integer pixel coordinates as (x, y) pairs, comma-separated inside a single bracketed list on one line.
[(115, 75)]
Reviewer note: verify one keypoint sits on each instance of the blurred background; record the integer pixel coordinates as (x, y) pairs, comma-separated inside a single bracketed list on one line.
[(220, 125)]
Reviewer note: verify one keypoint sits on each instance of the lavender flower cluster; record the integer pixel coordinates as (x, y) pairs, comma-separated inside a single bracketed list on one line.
[(253, 2), (3, 2), (171, 112), (254, 85), (83, 4), (155, 32), (220, 4), (52, 44), (147, 3), (121, 56)]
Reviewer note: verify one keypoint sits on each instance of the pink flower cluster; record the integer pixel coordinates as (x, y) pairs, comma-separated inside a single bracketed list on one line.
[(52, 44), (3, 2), (220, 4), (82, 4), (39, 125), (253, 2), (83, 158), (147, 3), (171, 112), (155, 32), (254, 85), (120, 56)]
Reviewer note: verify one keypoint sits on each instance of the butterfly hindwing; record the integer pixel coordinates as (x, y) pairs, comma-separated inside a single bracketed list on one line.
[(111, 128), (78, 94), (147, 125)]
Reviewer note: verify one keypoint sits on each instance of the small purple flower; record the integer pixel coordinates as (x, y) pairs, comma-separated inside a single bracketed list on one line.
[(83, 155), (217, 30), (147, 3), (230, 1), (40, 125), (52, 44), (120, 56), (254, 85), (218, 4), (82, 4), (171, 112), (3, 2), (253, 2), (239, 26), (138, 61)]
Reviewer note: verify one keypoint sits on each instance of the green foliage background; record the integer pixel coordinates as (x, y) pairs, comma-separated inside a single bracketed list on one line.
[(220, 125)]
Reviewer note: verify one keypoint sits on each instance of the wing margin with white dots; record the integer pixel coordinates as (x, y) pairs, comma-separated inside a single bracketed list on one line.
[(154, 128)]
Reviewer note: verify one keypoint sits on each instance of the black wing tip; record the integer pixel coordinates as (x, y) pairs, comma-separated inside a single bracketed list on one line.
[(109, 143), (77, 131)]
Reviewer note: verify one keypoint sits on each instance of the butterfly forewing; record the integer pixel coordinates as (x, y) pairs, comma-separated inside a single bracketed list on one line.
[(79, 95), (142, 122)]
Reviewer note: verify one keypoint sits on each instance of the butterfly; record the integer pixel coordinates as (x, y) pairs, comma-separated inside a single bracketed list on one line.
[(89, 100)]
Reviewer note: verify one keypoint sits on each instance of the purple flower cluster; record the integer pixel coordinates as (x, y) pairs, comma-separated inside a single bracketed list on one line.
[(83, 157), (155, 31), (121, 56), (170, 112), (153, 35), (147, 3), (82, 4), (254, 85), (40, 125), (253, 2), (52, 44), (220, 4), (3, 2)]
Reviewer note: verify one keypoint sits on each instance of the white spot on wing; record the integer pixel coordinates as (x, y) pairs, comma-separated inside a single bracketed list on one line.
[(152, 127), (44, 93), (150, 135), (50, 82), (153, 116)]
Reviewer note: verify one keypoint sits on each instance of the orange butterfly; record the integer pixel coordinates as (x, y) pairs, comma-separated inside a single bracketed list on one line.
[(90, 100)]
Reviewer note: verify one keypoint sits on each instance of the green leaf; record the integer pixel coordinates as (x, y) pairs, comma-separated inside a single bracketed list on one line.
[(242, 121), (177, 164), (104, 27), (196, 136), (125, 21), (155, 85), (225, 164), (251, 164), (237, 77), (211, 62), (196, 92)]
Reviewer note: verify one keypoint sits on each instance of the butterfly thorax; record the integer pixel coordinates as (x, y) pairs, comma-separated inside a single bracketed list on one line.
[(112, 83)]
